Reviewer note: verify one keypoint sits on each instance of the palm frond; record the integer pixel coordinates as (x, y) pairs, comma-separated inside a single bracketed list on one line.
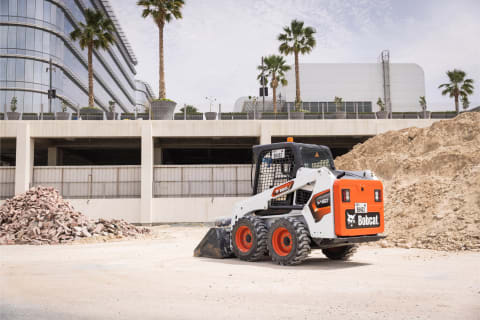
[(162, 11), (297, 38)]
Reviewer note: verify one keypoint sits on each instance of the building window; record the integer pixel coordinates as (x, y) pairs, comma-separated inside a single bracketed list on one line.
[(12, 7)]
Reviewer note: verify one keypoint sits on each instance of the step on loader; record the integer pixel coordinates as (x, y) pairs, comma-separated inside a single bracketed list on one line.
[(300, 202)]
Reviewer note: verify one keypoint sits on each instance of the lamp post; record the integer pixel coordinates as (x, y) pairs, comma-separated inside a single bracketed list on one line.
[(263, 88), (52, 94), (211, 100)]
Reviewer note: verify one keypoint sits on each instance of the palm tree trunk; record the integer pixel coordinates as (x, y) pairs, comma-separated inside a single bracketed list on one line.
[(297, 82), (162, 91), (457, 107), (274, 89), (91, 99)]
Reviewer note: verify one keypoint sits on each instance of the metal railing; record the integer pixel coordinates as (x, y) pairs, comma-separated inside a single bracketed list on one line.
[(7, 182), (90, 182), (202, 181), (243, 116)]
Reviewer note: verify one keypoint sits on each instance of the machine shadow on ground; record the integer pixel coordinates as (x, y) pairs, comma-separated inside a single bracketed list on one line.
[(313, 263)]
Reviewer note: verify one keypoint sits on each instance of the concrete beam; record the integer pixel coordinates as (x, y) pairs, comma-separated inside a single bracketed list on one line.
[(193, 128), (265, 135)]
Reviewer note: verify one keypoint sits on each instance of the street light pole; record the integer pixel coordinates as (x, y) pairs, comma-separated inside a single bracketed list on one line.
[(263, 88), (51, 94)]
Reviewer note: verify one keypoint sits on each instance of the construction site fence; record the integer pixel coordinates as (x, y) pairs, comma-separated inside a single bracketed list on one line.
[(7, 182), (202, 181), (91, 182)]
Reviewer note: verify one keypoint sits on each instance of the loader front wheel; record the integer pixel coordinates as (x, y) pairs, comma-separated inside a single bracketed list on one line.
[(288, 241), (340, 253), (249, 238)]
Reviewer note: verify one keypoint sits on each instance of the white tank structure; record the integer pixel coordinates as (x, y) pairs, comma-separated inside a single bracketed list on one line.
[(358, 82)]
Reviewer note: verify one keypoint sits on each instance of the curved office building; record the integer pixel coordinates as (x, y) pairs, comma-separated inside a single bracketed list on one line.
[(34, 31)]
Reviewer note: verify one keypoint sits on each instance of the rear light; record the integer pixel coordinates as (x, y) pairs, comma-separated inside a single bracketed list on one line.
[(346, 195), (378, 195)]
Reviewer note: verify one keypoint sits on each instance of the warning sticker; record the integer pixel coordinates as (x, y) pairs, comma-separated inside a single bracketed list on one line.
[(278, 153)]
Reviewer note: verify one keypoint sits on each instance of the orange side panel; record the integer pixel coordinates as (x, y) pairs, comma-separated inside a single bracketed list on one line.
[(361, 191), (319, 213)]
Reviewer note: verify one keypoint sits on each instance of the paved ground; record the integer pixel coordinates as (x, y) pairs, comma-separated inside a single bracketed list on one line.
[(159, 279)]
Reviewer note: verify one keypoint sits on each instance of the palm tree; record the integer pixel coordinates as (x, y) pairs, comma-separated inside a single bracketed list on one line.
[(96, 33), (297, 39), (161, 11), (423, 103), (274, 66), (190, 109), (338, 103), (380, 104), (458, 87)]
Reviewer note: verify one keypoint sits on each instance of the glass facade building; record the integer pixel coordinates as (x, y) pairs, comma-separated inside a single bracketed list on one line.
[(34, 31)]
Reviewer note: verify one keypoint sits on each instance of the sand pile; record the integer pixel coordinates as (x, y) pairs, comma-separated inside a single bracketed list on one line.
[(432, 182), (41, 216)]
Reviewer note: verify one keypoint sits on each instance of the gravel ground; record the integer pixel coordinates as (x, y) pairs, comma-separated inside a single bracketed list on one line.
[(158, 278)]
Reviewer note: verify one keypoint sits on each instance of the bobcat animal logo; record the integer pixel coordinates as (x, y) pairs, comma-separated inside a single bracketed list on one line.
[(351, 219)]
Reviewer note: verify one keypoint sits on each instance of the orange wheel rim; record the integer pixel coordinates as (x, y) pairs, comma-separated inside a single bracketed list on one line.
[(282, 241), (244, 238)]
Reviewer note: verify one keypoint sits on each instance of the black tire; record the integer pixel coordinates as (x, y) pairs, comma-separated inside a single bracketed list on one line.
[(295, 251), (258, 239), (340, 253)]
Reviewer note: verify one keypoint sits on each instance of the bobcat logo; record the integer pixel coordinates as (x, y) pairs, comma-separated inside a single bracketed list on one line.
[(350, 219)]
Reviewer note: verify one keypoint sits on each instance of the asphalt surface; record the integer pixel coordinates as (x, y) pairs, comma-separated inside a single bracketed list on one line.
[(160, 279)]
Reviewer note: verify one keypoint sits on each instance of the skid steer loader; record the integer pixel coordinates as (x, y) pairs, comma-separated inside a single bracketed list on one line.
[(300, 202)]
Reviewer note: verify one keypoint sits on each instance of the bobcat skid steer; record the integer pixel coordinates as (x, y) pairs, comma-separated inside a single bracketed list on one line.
[(300, 202)]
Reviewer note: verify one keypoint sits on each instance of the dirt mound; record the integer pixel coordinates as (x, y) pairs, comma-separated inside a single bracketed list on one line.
[(41, 216), (432, 182)]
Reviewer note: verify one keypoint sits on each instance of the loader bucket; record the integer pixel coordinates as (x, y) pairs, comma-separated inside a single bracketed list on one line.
[(215, 244)]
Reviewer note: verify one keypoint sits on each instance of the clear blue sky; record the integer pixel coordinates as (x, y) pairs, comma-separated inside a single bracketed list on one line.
[(215, 49)]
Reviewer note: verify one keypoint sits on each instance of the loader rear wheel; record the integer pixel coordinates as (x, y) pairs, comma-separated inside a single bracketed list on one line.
[(340, 253), (249, 238), (288, 241)]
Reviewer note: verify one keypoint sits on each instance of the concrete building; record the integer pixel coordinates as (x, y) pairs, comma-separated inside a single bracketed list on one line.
[(158, 171), (34, 31), (399, 85)]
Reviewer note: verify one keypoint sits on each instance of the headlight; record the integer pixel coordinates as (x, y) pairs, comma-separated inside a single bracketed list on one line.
[(378, 195), (346, 195)]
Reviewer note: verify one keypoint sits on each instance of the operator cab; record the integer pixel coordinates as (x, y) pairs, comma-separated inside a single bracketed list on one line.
[(278, 163)]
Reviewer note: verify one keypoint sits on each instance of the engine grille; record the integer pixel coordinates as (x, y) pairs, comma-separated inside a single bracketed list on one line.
[(303, 196)]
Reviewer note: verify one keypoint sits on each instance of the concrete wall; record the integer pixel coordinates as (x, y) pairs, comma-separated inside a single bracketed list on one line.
[(357, 82), (126, 209), (191, 209), (164, 210)]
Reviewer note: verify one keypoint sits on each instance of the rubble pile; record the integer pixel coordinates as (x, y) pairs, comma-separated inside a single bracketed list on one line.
[(431, 178), (41, 216)]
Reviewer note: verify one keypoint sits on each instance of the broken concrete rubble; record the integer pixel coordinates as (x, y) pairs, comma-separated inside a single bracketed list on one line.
[(42, 216)]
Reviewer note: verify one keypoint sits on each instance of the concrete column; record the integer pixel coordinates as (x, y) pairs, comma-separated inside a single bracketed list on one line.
[(265, 136), (52, 156), (157, 156), (24, 158), (147, 174)]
